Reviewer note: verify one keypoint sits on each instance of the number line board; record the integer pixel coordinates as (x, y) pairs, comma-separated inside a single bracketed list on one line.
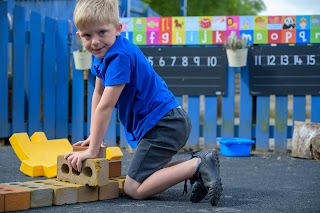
[(284, 70), (190, 70)]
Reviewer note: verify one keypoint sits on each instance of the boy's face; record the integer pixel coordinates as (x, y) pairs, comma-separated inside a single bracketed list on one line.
[(97, 38)]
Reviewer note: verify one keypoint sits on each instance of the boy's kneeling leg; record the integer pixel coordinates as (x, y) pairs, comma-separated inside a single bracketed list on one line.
[(131, 188)]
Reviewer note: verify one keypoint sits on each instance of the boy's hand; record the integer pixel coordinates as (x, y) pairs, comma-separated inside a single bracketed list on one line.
[(75, 158), (85, 142)]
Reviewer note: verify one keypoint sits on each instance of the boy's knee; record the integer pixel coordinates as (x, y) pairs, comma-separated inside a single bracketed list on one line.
[(131, 188)]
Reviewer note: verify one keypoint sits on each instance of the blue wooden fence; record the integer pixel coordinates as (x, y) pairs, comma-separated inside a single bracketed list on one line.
[(42, 91)]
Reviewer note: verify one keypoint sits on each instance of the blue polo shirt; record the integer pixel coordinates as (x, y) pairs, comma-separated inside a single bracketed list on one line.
[(145, 98)]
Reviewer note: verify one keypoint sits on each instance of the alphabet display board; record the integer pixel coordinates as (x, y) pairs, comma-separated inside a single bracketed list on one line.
[(284, 70), (206, 30), (190, 70)]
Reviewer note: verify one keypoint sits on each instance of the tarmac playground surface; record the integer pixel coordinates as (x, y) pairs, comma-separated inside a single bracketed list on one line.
[(263, 182)]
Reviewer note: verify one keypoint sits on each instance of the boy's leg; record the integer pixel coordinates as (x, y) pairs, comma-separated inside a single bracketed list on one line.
[(148, 173), (160, 180)]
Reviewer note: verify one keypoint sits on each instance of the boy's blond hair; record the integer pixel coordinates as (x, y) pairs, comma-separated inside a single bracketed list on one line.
[(96, 11)]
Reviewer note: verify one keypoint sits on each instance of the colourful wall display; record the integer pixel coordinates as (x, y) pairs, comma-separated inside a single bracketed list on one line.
[(205, 30)]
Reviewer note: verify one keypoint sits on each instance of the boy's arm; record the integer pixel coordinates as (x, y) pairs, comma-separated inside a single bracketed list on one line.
[(96, 96), (100, 119)]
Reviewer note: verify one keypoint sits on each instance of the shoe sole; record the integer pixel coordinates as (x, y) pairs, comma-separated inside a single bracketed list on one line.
[(218, 184), (217, 193)]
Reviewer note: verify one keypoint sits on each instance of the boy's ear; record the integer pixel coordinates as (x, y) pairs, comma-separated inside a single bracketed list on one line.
[(78, 34), (119, 28)]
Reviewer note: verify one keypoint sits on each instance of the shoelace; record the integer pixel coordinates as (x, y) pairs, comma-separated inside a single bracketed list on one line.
[(194, 177), (185, 187)]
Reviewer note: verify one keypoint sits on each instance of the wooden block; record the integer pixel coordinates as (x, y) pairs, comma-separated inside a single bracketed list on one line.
[(101, 154), (115, 167), (113, 153), (40, 196), (88, 193), (1, 202), (109, 191), (15, 199), (95, 172), (62, 193)]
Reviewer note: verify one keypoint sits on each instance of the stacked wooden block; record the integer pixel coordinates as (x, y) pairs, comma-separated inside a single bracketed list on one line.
[(100, 179)]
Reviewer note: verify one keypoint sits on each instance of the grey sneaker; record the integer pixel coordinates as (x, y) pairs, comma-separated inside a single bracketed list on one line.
[(207, 178)]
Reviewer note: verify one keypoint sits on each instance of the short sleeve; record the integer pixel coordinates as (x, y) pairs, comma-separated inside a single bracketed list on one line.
[(118, 70)]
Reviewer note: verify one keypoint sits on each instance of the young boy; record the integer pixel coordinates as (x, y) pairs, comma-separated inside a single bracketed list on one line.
[(155, 125)]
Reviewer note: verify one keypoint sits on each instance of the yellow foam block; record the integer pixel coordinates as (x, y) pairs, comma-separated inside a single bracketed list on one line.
[(113, 153), (38, 156)]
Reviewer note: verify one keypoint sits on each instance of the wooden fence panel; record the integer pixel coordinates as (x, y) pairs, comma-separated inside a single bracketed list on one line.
[(299, 108), (90, 86), (315, 109), (4, 89), (111, 136), (194, 113), (49, 78), (210, 121), (280, 128), (77, 105), (18, 71), (34, 75), (245, 112), (227, 128), (62, 79), (262, 123)]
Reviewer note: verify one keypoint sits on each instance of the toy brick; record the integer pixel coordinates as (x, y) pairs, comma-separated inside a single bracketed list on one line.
[(115, 168), (109, 191), (62, 193), (40, 196), (95, 172), (121, 180), (101, 154), (1, 202), (85, 193), (114, 153), (15, 199)]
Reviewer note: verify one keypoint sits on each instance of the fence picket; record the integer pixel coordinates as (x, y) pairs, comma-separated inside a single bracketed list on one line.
[(262, 124), (194, 113), (18, 71), (62, 79), (227, 127), (4, 91), (315, 109), (90, 86), (49, 78), (245, 115), (210, 121), (280, 127), (34, 74), (77, 105)]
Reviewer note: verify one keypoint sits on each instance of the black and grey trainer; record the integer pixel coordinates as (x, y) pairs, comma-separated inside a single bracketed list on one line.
[(207, 178)]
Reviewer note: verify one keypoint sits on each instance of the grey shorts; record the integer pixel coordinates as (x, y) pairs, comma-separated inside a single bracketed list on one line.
[(156, 149)]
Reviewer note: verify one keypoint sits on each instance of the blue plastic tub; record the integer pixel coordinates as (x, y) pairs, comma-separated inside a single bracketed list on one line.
[(235, 147)]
